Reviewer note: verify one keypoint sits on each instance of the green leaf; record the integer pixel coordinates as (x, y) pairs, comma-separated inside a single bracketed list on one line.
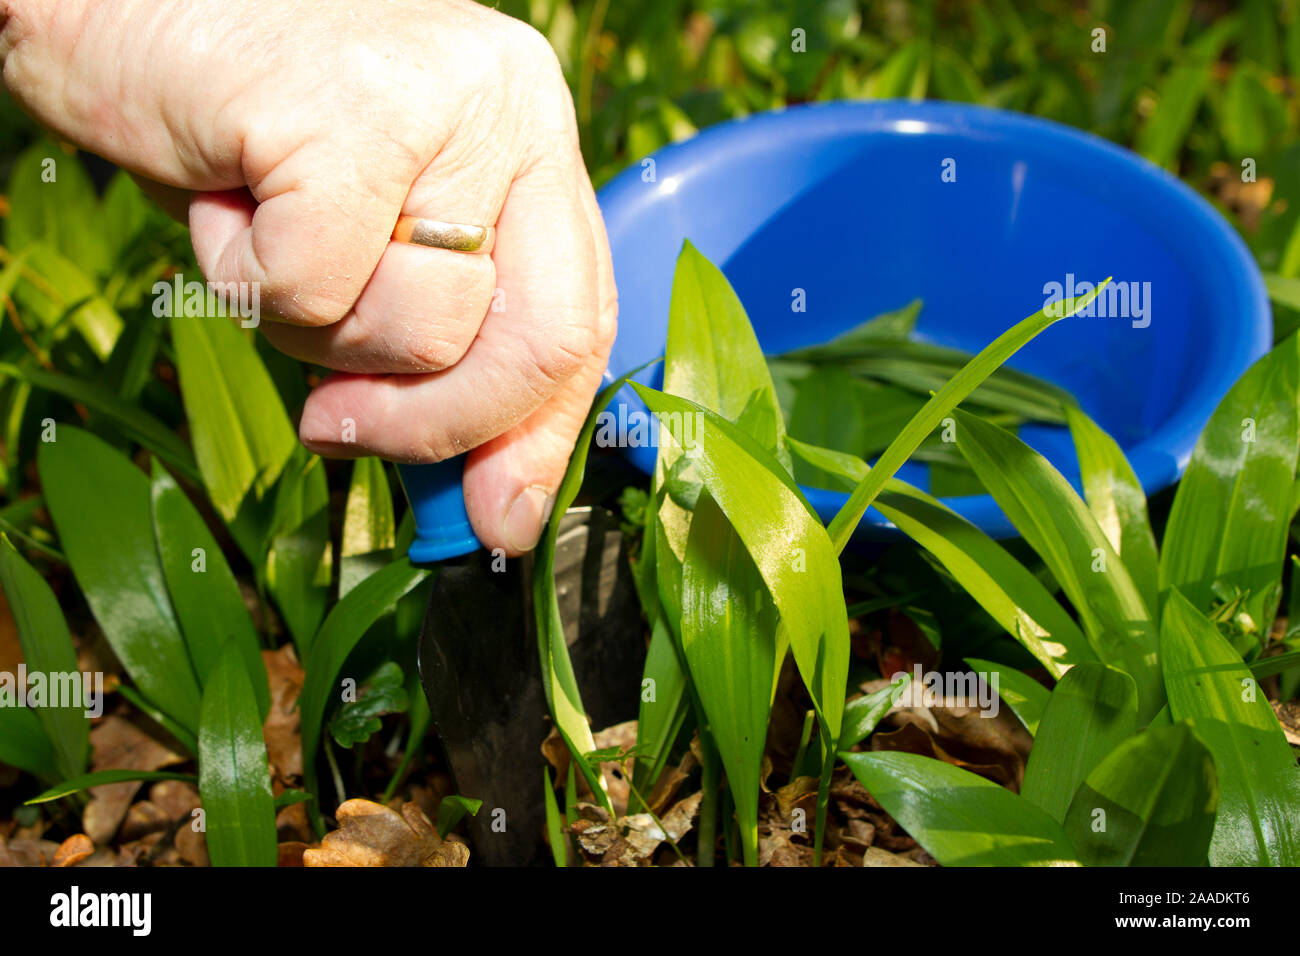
[(100, 503), (941, 404), (125, 210), (1004, 587), (136, 424), (234, 776), (346, 624), (242, 436), (829, 410), (960, 819), (288, 798), (452, 809), (787, 542), (383, 692), (1117, 501), (24, 744), (729, 638), (712, 357), (1283, 290), (1180, 92), (47, 650), (791, 550), (52, 200), (60, 295), (299, 558), (1057, 524), (555, 836), (1025, 696), (204, 592), (101, 778), (661, 714), (1150, 802), (1229, 520), (558, 680), (1092, 709), (368, 525), (1258, 821), (862, 715), (895, 326), (1245, 114)]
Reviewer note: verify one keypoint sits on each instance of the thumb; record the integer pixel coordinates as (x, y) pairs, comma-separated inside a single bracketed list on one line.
[(511, 481)]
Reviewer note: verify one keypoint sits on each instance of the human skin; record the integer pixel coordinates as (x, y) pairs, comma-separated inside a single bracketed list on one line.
[(292, 135)]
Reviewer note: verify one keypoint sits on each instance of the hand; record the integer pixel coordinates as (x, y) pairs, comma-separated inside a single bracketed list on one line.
[(294, 134)]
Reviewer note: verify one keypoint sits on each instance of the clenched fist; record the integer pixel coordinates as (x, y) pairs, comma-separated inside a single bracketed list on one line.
[(294, 134)]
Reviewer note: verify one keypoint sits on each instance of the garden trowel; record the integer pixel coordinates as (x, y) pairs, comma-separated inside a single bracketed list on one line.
[(479, 661)]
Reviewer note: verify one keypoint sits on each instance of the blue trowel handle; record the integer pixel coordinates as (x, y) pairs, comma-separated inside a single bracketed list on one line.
[(442, 528)]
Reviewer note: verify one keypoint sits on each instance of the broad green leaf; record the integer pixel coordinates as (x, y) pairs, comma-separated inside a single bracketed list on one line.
[(234, 776), (862, 715), (792, 552), (661, 713), (1057, 524), (1025, 696), (1283, 290), (346, 624), (1150, 802), (729, 639), (204, 592), (712, 357), (100, 503), (452, 809), (24, 744), (48, 651), (1258, 821), (125, 210), (299, 556), (960, 819), (242, 436), (787, 542), (102, 778), (60, 295), (1117, 501), (1229, 519), (136, 424), (830, 411), (1004, 587), (941, 404), (1092, 709), (52, 200), (368, 525)]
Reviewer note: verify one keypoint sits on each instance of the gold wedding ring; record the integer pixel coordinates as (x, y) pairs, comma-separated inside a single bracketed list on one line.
[(445, 235)]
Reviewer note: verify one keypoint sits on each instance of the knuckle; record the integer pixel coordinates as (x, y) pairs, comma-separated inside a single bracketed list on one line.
[(433, 353), (562, 352)]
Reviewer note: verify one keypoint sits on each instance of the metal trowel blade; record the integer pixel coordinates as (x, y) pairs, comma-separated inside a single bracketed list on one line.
[(481, 671)]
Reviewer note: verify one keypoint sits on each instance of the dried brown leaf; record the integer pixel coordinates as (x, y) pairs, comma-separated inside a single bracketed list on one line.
[(73, 850), (118, 744), (371, 834)]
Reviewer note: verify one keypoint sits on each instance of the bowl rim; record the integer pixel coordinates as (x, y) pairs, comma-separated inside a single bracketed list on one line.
[(1160, 458)]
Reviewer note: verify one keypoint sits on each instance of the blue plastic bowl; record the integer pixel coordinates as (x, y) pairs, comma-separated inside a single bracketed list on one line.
[(1033, 202)]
